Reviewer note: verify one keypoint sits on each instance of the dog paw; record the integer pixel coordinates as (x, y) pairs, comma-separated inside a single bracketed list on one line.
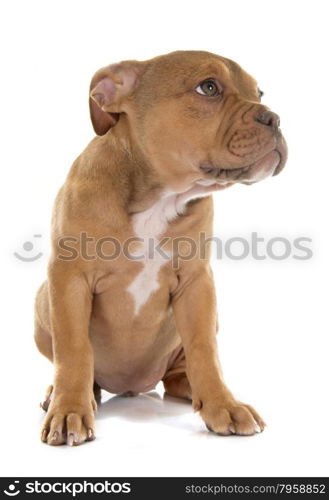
[(233, 417), (72, 423)]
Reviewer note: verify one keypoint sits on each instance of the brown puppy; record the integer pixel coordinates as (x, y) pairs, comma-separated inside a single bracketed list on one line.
[(130, 299)]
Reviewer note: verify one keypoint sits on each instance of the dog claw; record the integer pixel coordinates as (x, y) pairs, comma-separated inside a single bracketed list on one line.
[(90, 435), (44, 435), (45, 403), (70, 439), (231, 430), (54, 437), (262, 425)]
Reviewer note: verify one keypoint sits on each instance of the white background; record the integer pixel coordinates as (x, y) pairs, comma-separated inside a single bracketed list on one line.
[(273, 314)]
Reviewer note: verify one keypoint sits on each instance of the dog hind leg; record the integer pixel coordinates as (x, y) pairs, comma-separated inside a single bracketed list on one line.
[(175, 381)]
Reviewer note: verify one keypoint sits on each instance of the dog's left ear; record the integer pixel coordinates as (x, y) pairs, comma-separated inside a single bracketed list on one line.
[(108, 89)]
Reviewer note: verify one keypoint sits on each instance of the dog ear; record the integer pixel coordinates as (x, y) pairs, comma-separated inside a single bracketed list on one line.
[(108, 89)]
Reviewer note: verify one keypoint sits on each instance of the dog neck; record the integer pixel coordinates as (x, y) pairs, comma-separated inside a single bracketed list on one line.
[(131, 179)]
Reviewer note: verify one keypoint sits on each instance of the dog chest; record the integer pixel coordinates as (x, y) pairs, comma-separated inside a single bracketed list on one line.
[(149, 226)]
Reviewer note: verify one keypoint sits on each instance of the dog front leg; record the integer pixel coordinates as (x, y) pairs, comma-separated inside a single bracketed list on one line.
[(70, 416), (194, 305)]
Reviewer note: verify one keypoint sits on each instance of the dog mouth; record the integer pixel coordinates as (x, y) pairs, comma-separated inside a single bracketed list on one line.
[(282, 150), (223, 175), (270, 164)]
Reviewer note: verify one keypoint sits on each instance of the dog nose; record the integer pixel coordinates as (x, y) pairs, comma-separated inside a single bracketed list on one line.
[(268, 118)]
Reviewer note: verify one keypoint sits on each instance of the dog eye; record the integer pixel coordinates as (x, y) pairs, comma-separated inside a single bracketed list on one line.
[(208, 88)]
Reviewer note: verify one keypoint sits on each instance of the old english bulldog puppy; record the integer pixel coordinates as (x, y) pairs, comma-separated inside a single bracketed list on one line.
[(170, 131)]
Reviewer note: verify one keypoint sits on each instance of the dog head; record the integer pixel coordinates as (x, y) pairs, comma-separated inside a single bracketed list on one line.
[(196, 117)]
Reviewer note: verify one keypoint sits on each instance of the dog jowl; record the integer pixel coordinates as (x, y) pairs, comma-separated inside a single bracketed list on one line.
[(170, 132)]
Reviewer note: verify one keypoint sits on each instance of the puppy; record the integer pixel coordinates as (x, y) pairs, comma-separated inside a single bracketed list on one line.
[(130, 300)]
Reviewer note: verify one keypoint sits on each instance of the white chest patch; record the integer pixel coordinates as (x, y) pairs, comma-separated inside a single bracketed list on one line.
[(149, 226)]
